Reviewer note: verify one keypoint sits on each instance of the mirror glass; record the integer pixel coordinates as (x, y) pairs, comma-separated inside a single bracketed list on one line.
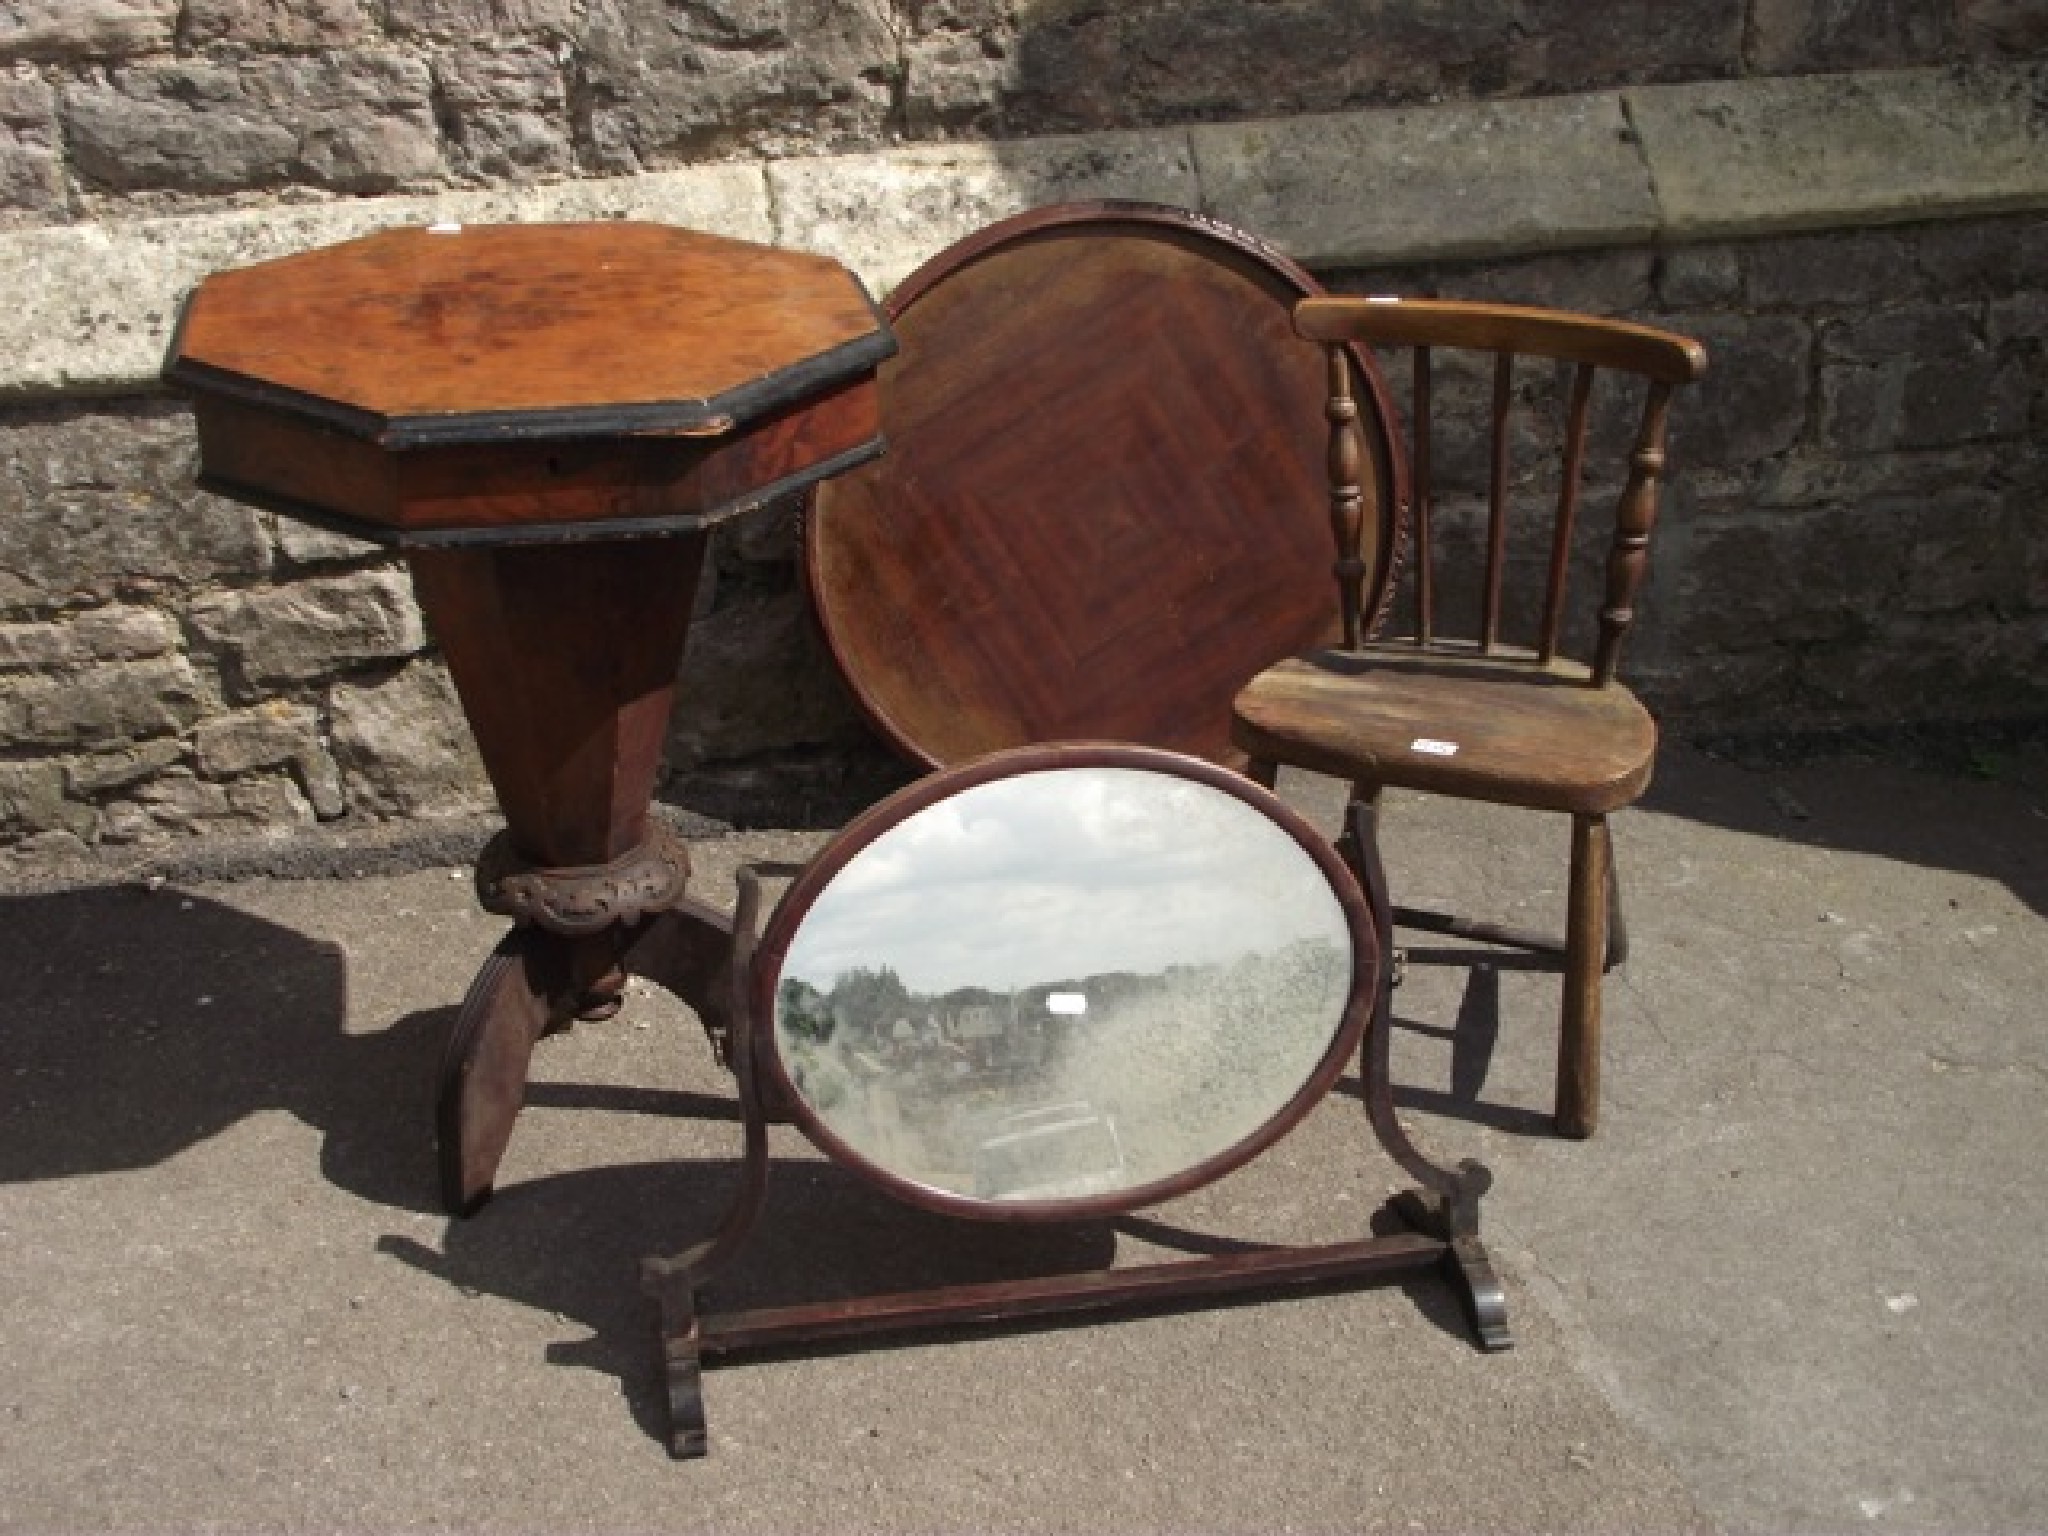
[(1063, 984)]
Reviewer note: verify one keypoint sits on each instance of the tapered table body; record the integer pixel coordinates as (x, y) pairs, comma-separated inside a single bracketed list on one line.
[(547, 420)]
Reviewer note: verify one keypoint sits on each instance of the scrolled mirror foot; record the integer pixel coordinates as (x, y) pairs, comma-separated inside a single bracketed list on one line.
[(1470, 1270), (670, 1282)]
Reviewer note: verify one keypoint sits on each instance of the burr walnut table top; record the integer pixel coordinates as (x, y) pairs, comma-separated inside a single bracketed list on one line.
[(653, 376)]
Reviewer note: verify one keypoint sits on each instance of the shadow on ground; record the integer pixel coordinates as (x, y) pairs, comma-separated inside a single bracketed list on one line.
[(144, 1022)]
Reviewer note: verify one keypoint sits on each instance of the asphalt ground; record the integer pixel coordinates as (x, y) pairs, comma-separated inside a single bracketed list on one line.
[(1791, 1284)]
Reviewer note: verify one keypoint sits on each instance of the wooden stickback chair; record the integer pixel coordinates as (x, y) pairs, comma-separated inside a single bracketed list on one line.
[(1465, 713)]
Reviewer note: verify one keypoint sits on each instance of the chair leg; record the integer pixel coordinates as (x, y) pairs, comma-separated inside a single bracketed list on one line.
[(1578, 1047), (1617, 923)]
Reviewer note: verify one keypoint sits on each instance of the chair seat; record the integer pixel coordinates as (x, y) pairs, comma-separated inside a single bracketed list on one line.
[(1498, 727)]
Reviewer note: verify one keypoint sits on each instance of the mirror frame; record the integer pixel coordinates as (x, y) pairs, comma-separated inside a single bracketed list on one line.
[(772, 951)]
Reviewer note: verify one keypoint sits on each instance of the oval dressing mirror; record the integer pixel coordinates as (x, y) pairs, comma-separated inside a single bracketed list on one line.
[(1064, 979)]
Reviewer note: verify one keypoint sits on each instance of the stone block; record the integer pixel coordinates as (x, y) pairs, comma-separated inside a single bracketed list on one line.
[(81, 30), (315, 24), (97, 504), (471, 19), (1699, 276), (1852, 269), (108, 704), (1096, 67), (778, 77), (102, 634), (89, 777), (358, 121), (403, 747), (883, 215), (755, 678), (31, 796), (305, 545), (275, 636), (1752, 403), (1600, 282), (1565, 46), (1804, 37), (1984, 258), (1964, 393), (31, 173), (1959, 555), (2003, 29), (1840, 150), (506, 109), (273, 733), (1373, 187)]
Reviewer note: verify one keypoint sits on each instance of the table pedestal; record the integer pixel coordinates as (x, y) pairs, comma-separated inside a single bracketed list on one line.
[(565, 657)]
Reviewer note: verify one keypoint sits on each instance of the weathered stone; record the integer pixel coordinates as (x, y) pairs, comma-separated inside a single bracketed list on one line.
[(1856, 268), (2004, 29), (1917, 379), (1797, 37), (1086, 66), (1699, 276), (1959, 554), (506, 109), (404, 748), (282, 635), (769, 76), (305, 545), (179, 802), (151, 698), (97, 504), (884, 214), (104, 634), (272, 733), (1564, 46), (85, 29), (1600, 282), (31, 175), (470, 19), (361, 122), (271, 803), (88, 777), (2021, 319), (1370, 187), (1983, 258), (1839, 150), (277, 23), (31, 796), (1753, 401), (754, 678)]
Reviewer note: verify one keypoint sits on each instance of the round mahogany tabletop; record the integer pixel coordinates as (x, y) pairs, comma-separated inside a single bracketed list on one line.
[(1104, 504)]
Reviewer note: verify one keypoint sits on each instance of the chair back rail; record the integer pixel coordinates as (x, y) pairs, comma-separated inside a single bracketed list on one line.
[(1509, 332)]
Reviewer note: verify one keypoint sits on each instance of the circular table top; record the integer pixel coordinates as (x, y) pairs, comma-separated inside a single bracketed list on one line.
[(1104, 507)]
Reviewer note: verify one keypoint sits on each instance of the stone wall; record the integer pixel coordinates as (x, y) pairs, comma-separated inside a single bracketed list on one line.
[(1856, 533), (107, 106)]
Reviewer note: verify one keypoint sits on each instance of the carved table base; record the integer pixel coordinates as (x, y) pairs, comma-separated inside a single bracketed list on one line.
[(537, 982)]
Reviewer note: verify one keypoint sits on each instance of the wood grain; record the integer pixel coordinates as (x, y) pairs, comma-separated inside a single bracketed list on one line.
[(1103, 508)]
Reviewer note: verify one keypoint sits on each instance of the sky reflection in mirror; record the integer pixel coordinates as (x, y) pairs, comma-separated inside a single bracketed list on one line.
[(1064, 983)]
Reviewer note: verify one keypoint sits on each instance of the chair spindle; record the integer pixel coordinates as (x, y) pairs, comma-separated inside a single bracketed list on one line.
[(1497, 501), (1637, 515), (1421, 466), (1567, 510), (1347, 496)]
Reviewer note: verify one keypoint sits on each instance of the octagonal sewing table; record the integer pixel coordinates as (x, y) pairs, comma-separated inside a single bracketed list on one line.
[(546, 420)]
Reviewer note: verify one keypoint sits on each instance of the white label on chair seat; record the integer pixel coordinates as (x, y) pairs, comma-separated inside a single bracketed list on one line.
[(1433, 747)]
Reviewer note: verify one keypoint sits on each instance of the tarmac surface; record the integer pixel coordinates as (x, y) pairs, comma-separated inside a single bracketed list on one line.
[(1790, 1286)]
